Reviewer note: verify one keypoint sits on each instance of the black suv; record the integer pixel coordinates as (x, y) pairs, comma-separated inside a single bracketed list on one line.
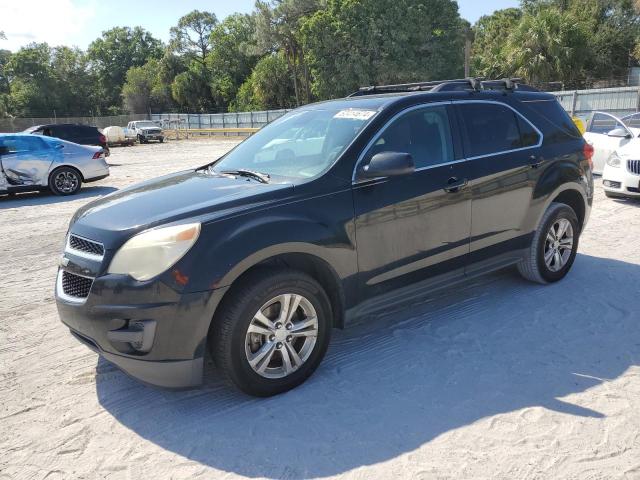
[(71, 132), (333, 211)]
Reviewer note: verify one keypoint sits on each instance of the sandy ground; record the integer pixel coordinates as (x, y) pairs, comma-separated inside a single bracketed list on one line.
[(497, 379)]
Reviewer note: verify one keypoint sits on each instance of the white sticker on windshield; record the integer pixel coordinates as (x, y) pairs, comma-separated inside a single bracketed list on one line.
[(354, 114)]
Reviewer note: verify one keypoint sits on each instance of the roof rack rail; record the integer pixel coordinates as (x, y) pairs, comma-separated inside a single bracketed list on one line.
[(461, 84)]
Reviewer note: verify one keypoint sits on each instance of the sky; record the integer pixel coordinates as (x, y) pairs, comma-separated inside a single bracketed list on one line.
[(79, 22)]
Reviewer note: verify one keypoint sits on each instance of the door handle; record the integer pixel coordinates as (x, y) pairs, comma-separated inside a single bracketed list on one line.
[(454, 185), (535, 162)]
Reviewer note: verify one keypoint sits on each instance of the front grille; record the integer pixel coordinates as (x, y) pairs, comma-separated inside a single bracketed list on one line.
[(75, 285), (634, 166), (87, 246)]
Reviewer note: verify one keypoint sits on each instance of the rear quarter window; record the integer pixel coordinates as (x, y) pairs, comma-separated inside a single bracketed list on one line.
[(559, 125), (490, 128)]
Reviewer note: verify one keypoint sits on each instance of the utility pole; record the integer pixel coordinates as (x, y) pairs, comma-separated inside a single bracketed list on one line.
[(467, 57)]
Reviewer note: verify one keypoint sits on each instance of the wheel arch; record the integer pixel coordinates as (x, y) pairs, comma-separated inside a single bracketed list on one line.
[(311, 264), (65, 165)]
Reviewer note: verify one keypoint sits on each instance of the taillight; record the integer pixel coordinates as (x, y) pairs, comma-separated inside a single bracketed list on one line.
[(588, 151), (98, 155)]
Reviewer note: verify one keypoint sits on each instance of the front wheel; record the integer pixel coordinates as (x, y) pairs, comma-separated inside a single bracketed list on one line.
[(65, 181), (554, 246), (272, 332)]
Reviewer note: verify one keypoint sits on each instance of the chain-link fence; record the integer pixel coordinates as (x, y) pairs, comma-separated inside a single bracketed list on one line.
[(186, 121)]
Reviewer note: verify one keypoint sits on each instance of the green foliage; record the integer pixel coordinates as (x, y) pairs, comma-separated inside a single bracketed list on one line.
[(547, 44), (291, 52), (489, 53), (570, 41), (232, 58), (145, 90), (191, 37), (43, 80), (113, 54), (357, 42), (191, 90), (267, 87)]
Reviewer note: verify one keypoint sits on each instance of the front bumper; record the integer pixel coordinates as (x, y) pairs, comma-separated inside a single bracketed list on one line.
[(153, 136), (621, 181), (116, 304)]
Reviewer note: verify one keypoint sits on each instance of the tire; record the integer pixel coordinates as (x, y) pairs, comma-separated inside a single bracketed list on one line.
[(233, 347), (65, 181), (161, 140), (535, 267)]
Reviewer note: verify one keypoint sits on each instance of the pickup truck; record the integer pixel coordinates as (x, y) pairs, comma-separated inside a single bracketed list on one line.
[(146, 130)]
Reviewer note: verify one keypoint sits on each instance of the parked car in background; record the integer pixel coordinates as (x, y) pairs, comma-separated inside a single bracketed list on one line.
[(608, 133), (71, 132), (30, 162), (389, 194), (621, 173), (146, 130)]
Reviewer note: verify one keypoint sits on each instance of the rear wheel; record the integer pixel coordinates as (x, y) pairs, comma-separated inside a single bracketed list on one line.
[(554, 246), (272, 332), (65, 181)]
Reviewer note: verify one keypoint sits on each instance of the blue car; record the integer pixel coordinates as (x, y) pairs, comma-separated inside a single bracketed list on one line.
[(30, 162)]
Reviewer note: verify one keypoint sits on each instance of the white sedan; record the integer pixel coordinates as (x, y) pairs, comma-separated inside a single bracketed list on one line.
[(617, 152)]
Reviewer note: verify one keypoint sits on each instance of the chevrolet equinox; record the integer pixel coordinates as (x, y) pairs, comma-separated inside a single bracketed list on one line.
[(331, 212)]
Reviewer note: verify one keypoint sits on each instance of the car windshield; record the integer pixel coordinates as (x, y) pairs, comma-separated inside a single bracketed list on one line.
[(146, 125), (299, 145)]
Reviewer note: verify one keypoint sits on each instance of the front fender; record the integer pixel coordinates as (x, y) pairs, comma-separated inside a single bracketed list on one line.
[(321, 226)]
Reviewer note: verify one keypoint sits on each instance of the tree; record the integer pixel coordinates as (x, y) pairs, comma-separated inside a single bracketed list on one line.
[(278, 26), (232, 58), (267, 87), (353, 43), (191, 89), (145, 89), (191, 37), (113, 54), (547, 45), (489, 52)]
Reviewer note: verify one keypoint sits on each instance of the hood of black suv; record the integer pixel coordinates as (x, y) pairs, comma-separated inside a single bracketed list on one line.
[(185, 195)]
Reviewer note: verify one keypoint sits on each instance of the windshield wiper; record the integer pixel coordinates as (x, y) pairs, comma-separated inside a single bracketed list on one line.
[(243, 172)]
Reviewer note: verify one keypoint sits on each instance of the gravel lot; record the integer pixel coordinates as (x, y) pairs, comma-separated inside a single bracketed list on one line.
[(497, 379)]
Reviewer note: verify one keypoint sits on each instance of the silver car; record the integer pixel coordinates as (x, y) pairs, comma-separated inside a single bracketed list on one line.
[(33, 162)]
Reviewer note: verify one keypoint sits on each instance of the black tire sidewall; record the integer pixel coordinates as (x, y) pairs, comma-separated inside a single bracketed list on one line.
[(52, 183), (240, 371), (562, 212)]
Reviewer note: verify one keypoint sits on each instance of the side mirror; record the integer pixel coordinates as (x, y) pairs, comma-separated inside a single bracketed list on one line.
[(389, 164), (619, 133), (4, 150)]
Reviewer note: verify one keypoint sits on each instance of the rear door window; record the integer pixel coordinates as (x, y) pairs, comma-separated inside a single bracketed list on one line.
[(23, 144), (424, 133), (490, 128)]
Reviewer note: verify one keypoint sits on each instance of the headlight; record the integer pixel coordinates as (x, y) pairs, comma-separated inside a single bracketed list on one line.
[(154, 251), (614, 160)]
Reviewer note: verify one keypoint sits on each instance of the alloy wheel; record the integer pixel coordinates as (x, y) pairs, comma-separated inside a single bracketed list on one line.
[(281, 336), (558, 244), (66, 181)]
